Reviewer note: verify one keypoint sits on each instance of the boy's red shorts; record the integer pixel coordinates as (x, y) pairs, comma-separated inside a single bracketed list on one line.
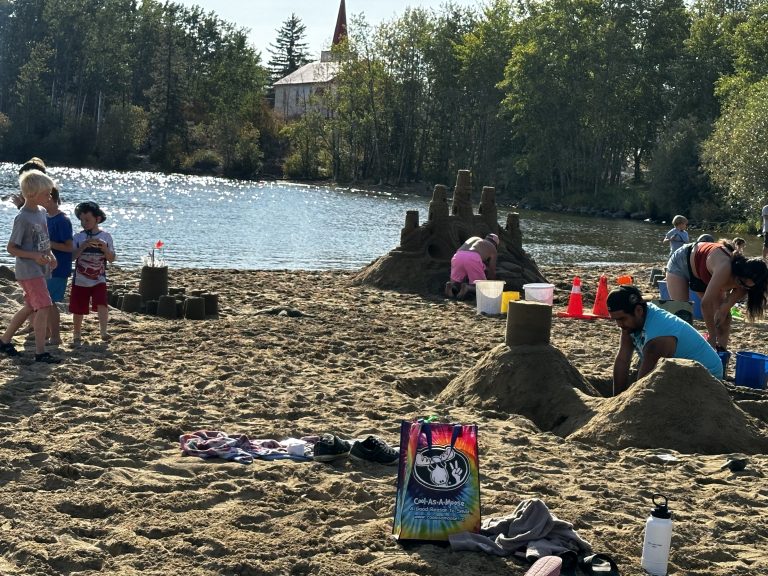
[(80, 296), (36, 294)]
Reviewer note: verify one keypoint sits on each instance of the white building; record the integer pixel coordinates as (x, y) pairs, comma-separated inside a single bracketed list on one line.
[(299, 92), (294, 93)]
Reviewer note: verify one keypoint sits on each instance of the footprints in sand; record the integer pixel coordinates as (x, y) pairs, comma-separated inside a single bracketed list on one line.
[(94, 480), (86, 509)]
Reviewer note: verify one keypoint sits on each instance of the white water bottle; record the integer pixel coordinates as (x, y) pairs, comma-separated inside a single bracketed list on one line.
[(658, 537)]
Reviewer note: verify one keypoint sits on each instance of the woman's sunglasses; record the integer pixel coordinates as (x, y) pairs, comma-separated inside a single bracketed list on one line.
[(741, 282)]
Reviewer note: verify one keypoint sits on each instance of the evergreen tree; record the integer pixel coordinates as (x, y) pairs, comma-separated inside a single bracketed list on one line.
[(289, 52)]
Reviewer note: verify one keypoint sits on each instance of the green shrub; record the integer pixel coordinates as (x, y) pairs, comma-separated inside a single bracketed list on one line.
[(203, 161)]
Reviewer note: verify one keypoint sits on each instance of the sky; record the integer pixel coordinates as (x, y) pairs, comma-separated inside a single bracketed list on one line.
[(265, 17)]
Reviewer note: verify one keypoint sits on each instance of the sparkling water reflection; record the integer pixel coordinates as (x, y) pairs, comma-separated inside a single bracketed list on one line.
[(211, 222)]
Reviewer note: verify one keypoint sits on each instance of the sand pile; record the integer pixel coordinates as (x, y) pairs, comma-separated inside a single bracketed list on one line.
[(678, 406), (537, 382)]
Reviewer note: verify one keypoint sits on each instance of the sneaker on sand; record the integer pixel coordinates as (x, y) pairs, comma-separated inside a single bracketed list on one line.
[(374, 449), (47, 358), (8, 349), (330, 448)]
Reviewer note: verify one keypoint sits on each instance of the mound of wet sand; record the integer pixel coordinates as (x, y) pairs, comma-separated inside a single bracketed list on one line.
[(679, 406), (537, 382)]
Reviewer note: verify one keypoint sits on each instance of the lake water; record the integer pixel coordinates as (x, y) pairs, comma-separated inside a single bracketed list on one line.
[(210, 222)]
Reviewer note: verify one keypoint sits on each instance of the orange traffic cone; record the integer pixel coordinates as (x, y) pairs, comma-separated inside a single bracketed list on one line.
[(601, 299), (575, 302)]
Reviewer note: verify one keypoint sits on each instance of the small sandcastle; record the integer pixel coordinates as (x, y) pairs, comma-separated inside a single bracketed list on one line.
[(153, 296), (422, 261), (527, 376)]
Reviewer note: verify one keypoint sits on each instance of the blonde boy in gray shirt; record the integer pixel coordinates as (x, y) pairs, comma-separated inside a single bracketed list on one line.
[(30, 244)]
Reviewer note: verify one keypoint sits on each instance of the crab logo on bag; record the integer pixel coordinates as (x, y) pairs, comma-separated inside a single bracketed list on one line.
[(441, 468)]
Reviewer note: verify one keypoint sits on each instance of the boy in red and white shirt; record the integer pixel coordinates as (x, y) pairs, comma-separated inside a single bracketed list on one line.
[(92, 249)]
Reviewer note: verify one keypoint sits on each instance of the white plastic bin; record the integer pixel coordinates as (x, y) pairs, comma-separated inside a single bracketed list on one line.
[(488, 293), (540, 292)]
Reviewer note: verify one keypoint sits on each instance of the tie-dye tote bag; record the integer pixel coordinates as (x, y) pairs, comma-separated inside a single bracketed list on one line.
[(438, 481)]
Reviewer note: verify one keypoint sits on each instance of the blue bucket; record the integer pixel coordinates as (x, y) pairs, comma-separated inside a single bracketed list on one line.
[(693, 297), (725, 356), (751, 370), (663, 292)]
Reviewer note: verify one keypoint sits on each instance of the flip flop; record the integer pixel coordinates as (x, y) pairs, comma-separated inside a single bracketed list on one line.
[(545, 566), (570, 563), (599, 565)]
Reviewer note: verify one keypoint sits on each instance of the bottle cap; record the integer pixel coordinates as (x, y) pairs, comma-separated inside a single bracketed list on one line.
[(661, 510)]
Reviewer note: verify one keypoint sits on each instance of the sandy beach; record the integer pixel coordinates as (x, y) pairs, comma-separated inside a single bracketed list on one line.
[(93, 481)]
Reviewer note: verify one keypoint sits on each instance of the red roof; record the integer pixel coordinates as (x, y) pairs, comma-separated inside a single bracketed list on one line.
[(341, 25)]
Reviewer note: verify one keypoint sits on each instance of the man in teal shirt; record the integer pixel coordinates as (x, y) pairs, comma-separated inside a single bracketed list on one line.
[(654, 333)]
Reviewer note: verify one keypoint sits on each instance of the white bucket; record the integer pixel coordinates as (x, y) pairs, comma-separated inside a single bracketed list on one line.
[(488, 293), (540, 292)]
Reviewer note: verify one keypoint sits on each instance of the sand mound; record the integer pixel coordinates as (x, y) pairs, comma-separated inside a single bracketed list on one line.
[(678, 406), (537, 382), (406, 272)]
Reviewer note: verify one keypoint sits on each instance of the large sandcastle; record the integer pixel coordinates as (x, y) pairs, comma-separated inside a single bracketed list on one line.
[(422, 261)]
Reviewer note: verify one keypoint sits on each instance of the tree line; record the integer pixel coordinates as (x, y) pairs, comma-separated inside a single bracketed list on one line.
[(107, 82), (649, 106)]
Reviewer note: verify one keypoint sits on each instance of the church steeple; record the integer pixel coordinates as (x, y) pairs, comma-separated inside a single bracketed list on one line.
[(341, 25)]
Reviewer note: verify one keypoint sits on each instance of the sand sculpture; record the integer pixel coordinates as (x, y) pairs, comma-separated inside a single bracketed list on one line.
[(422, 261), (679, 406), (169, 302), (527, 376), (535, 381)]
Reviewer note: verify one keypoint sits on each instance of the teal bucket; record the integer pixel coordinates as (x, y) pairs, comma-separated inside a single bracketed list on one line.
[(751, 370)]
